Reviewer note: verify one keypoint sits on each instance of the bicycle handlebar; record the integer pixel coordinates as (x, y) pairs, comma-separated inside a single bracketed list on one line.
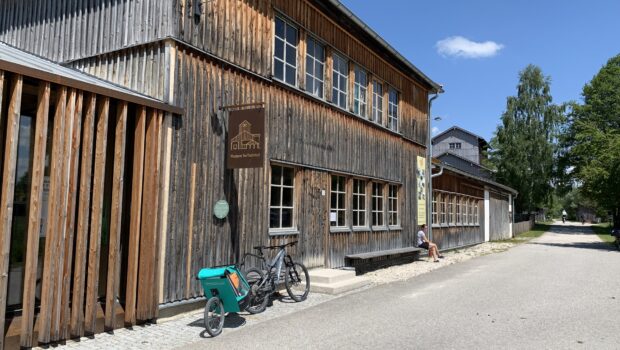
[(281, 246)]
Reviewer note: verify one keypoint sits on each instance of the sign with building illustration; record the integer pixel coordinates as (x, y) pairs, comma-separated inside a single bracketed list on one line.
[(421, 189), (246, 138)]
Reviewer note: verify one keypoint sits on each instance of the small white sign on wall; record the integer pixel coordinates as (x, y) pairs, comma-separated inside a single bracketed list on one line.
[(332, 216)]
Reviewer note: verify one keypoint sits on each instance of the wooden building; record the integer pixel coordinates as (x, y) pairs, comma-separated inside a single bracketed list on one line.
[(345, 118)]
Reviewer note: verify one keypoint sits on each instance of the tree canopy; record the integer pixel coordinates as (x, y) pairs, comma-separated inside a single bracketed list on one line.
[(524, 145)]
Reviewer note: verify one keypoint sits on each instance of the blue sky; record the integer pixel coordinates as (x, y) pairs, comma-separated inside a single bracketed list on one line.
[(570, 40)]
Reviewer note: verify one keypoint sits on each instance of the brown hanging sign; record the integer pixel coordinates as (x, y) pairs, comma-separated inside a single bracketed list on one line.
[(246, 138)]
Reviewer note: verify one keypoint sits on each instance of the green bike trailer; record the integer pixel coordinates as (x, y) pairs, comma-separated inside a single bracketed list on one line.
[(226, 290)]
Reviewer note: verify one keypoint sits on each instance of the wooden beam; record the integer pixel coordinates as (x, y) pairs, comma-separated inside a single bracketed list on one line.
[(92, 285), (74, 164), (8, 187), (34, 215), (158, 228), (116, 216), (135, 217), (49, 265), (83, 219), (190, 230)]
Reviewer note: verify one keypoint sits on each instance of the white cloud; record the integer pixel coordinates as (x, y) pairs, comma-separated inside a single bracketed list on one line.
[(435, 130), (459, 46)]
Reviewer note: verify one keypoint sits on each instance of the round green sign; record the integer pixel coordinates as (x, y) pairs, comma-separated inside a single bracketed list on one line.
[(220, 209)]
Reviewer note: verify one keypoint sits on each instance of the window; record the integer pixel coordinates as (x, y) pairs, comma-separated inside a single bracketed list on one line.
[(315, 64), (451, 199), (377, 102), (281, 204), (285, 54), (458, 210), (393, 205), (359, 92), (476, 222), (471, 211), (442, 208), (359, 202), (435, 200), (393, 110), (340, 79), (338, 195), (377, 204), (455, 145)]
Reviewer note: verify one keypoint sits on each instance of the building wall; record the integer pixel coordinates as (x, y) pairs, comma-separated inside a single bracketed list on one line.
[(500, 216), (469, 145)]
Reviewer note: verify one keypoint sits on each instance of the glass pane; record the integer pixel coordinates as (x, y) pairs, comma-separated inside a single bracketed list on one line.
[(309, 83), (279, 49), (319, 70), (309, 65), (343, 100), (278, 70), (287, 197), (341, 200), (291, 35), (287, 217), (276, 174), (341, 218), (310, 46), (275, 196), (334, 183), (274, 218), (288, 176), (291, 55), (334, 200), (318, 53), (343, 83), (279, 27), (290, 75), (334, 95)]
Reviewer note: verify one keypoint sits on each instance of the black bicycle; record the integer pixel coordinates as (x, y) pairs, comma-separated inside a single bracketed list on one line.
[(264, 281)]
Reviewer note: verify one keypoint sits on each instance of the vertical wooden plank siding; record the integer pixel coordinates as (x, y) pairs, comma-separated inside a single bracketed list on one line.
[(94, 250), (34, 215), (50, 265), (135, 217), (157, 219), (190, 231), (8, 187), (116, 216), (83, 219), (76, 138)]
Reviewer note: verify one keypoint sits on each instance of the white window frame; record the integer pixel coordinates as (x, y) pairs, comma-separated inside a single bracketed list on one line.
[(285, 47), (476, 216), (459, 211), (393, 100), (360, 92), (393, 205), (340, 207), (340, 93), (377, 206), (281, 205), (315, 62), (451, 208), (442, 209), (359, 198), (377, 102), (435, 216)]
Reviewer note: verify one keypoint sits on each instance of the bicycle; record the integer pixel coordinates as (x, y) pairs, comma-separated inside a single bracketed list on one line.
[(264, 284)]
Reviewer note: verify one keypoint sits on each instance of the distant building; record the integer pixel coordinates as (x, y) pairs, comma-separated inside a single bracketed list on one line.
[(463, 150)]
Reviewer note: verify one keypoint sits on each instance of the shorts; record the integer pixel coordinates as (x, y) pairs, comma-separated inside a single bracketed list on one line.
[(424, 245)]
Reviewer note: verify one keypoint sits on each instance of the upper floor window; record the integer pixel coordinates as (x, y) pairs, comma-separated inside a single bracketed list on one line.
[(285, 55), (359, 202), (281, 202), (393, 110), (393, 205), (340, 80), (455, 145), (315, 65), (359, 92), (377, 102), (338, 207), (377, 204)]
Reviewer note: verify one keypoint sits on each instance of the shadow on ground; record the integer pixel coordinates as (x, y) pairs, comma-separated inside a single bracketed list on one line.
[(576, 229)]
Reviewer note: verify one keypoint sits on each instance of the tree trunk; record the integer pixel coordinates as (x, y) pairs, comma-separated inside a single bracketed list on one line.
[(616, 215)]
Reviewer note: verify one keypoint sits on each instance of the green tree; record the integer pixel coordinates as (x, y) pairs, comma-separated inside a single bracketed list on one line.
[(593, 142), (524, 144)]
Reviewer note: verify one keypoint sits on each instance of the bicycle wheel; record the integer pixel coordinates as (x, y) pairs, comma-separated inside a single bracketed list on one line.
[(297, 281), (259, 296), (214, 316)]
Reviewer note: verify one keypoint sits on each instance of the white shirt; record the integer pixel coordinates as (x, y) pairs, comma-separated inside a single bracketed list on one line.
[(421, 237), (564, 212)]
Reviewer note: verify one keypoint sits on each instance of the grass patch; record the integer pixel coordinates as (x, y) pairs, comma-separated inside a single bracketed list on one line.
[(536, 232), (602, 231)]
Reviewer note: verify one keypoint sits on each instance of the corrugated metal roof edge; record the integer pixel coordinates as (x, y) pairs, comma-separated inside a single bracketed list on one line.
[(490, 182), (116, 91)]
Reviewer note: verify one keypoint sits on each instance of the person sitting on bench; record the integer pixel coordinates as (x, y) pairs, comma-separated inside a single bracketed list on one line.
[(423, 242)]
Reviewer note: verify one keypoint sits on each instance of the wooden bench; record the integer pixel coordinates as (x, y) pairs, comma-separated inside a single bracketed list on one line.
[(365, 262)]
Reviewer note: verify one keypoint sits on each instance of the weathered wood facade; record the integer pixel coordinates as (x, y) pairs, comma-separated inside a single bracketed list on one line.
[(205, 56)]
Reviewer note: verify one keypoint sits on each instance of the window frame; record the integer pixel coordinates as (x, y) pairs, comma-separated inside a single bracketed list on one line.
[(285, 45), (434, 208), (442, 209), (281, 206), (377, 204), (361, 199), (393, 206), (337, 88), (377, 108), (393, 110), (315, 61)]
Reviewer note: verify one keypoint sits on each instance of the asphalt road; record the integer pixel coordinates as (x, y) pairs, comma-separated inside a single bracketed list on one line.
[(561, 291)]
